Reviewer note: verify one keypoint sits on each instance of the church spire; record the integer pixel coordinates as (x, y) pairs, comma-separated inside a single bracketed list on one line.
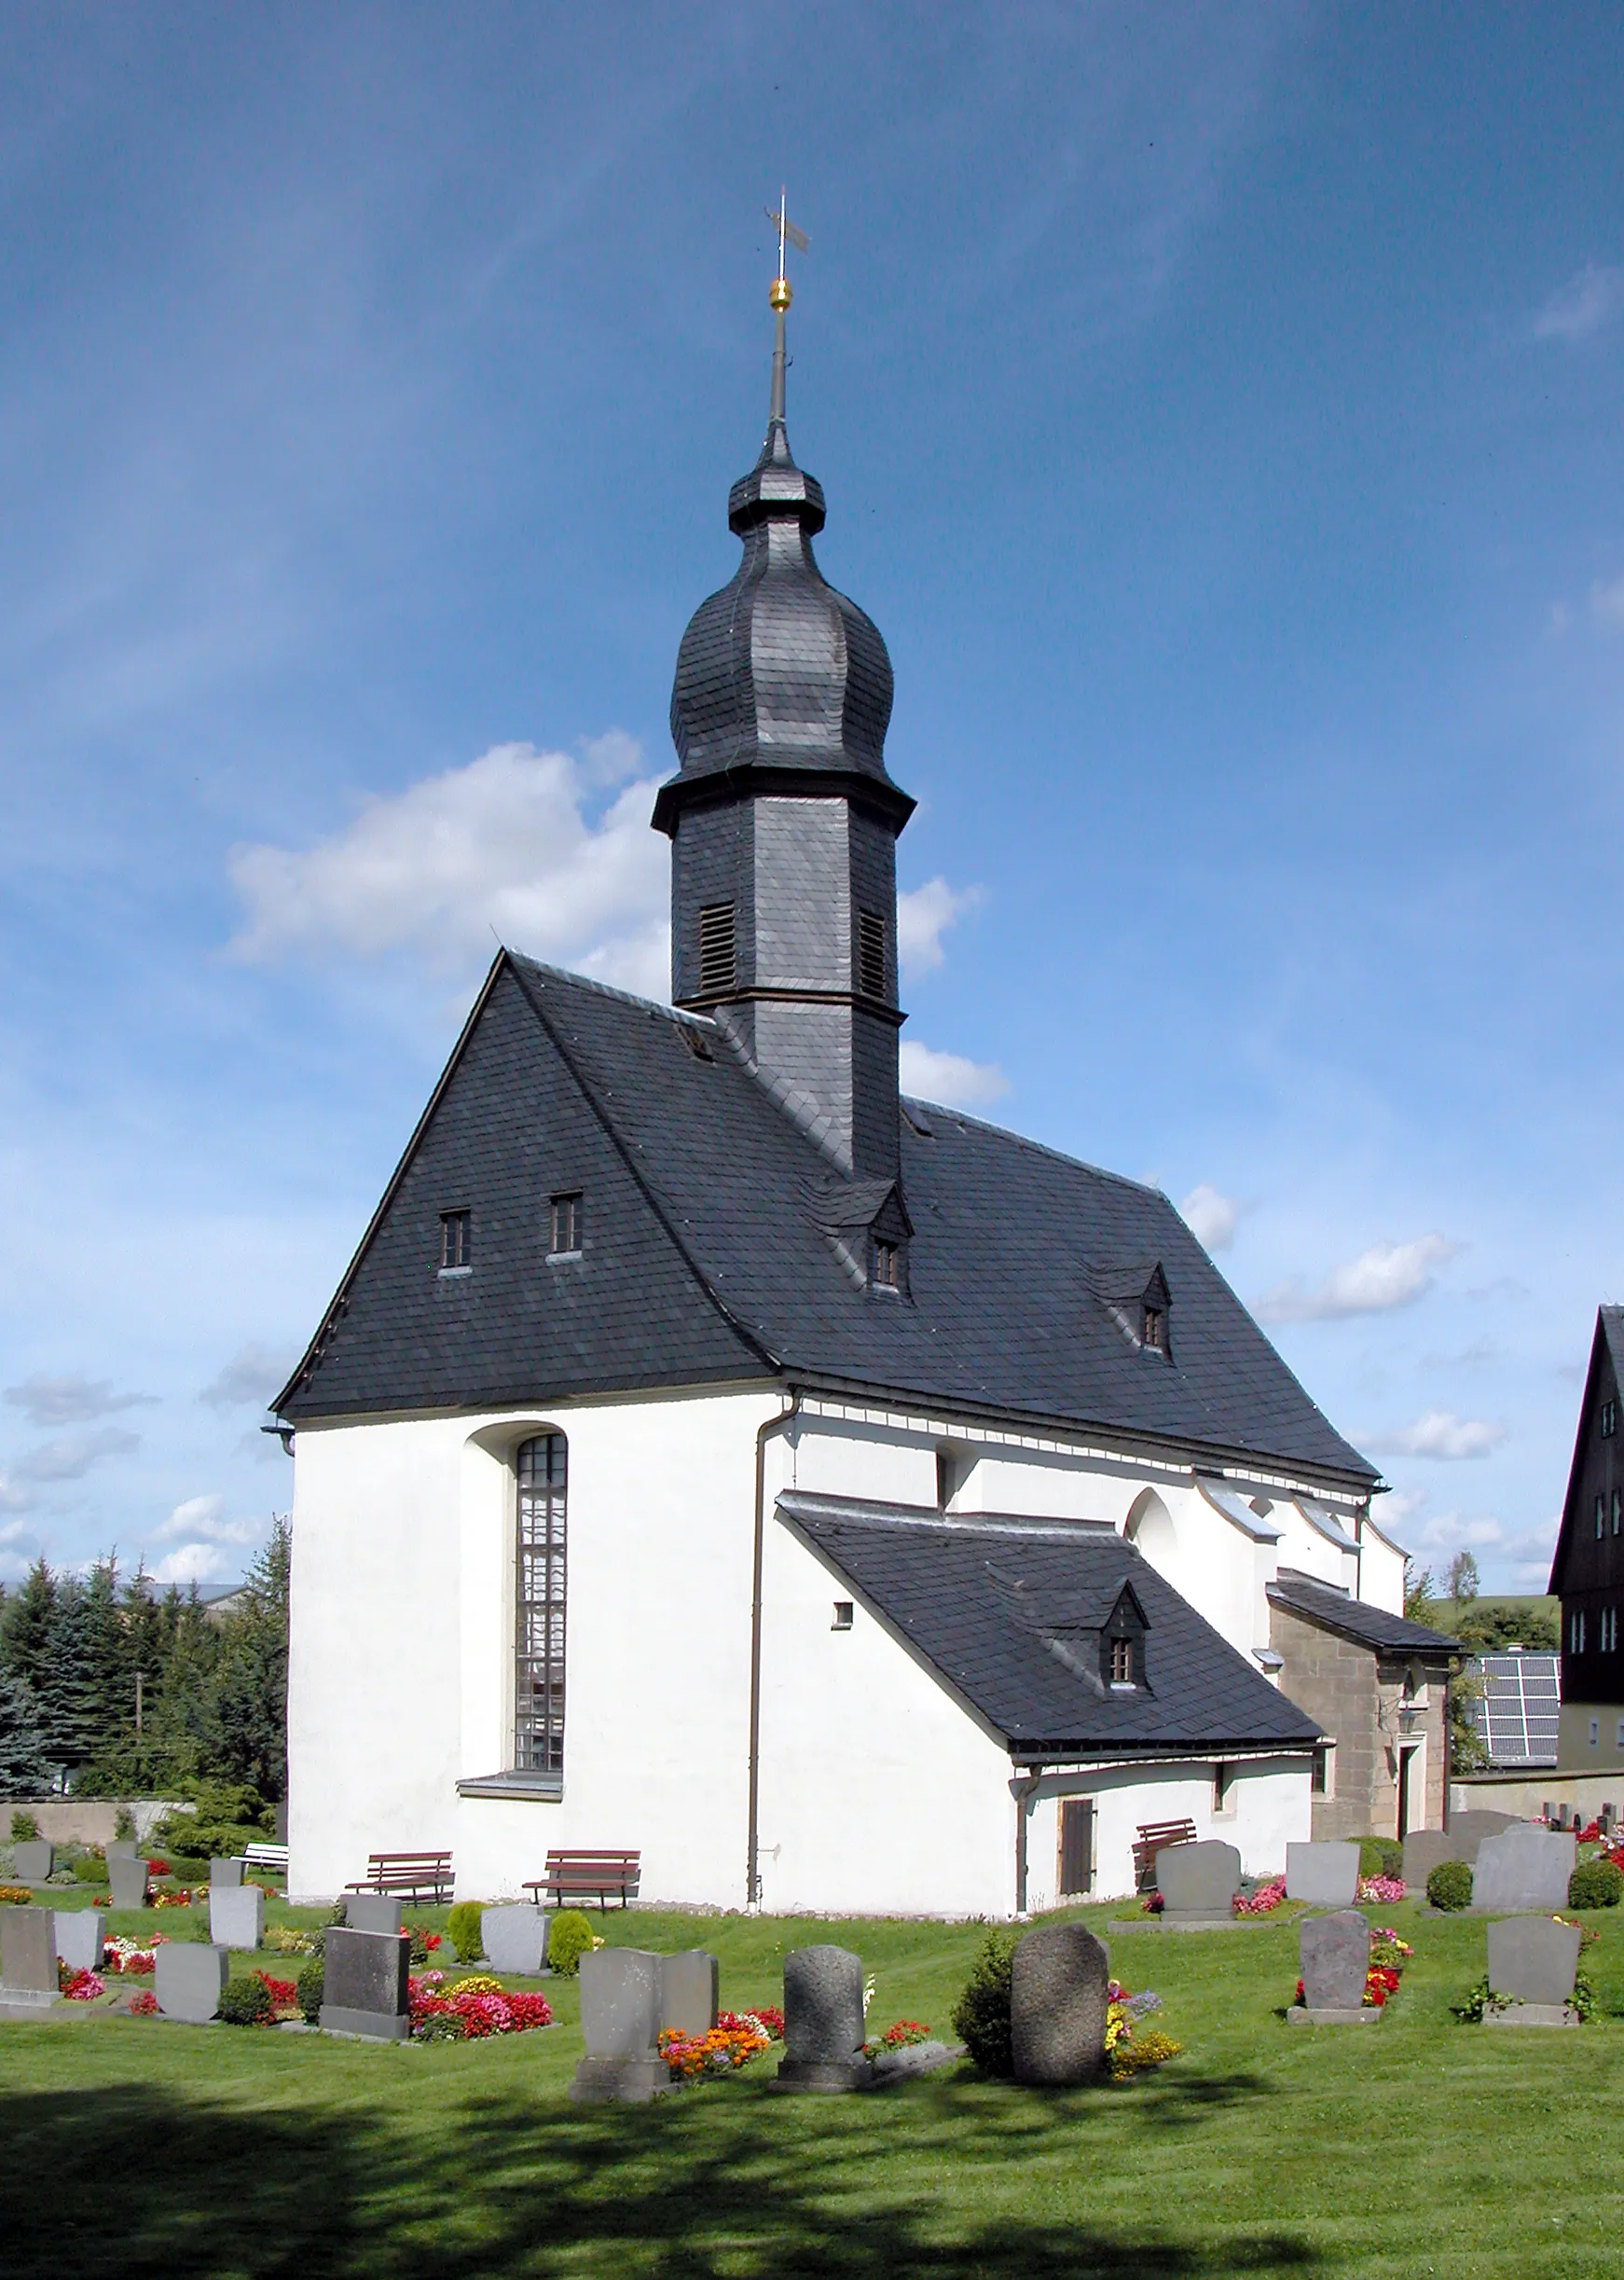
[(780, 293)]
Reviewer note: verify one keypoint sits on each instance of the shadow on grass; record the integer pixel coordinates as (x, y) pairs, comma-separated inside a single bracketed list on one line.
[(139, 2181)]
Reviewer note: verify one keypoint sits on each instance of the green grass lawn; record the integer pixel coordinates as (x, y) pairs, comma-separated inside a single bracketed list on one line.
[(1415, 2147)]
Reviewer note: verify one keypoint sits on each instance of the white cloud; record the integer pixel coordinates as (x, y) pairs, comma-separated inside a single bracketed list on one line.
[(71, 1401), (12, 1498), (1582, 307), (1607, 604), (949, 1078), (205, 1516), (252, 1375), (1210, 1217), (1388, 1275), (924, 913), (194, 1563), (1440, 1433), (70, 1456), (504, 848)]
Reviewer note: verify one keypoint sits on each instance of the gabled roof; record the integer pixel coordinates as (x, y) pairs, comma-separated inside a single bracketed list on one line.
[(1008, 1614), (1356, 1619), (1606, 1341), (728, 1205)]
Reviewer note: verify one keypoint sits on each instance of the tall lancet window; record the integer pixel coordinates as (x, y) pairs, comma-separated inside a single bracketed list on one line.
[(539, 1693)]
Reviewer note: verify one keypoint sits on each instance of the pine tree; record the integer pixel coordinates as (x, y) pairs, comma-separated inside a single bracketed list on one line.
[(68, 1694), (30, 1616), (24, 1771), (247, 1731)]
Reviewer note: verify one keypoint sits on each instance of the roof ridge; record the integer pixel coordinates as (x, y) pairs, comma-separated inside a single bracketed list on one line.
[(607, 989), (1045, 1148)]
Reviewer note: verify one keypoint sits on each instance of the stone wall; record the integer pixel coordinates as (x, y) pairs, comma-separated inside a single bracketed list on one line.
[(1359, 1700), (86, 1820)]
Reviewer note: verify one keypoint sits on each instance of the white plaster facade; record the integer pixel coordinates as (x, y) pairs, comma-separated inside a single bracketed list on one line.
[(880, 1791)]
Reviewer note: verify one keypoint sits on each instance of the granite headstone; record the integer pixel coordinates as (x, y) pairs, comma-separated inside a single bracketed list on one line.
[(1522, 1868), (1059, 2000), (372, 1911), (80, 1939), (224, 1874), (690, 1990), (188, 1980), (33, 1860), (1198, 1882), (1531, 1964), (236, 1915), (128, 1879), (28, 1973), (121, 1848), (1325, 1875), (1335, 1952), (515, 1939), (823, 2021), (620, 2021), (364, 1989), (1426, 1849)]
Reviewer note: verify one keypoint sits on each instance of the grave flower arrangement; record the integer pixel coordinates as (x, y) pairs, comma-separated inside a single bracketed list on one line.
[(145, 2004), (902, 2036), (133, 1957), (474, 2007), (1152, 1904), (17, 1895), (1129, 2054), (78, 1987), (179, 1898), (1262, 1900), (722, 2050), (287, 1940), (1381, 1888), (1389, 1954)]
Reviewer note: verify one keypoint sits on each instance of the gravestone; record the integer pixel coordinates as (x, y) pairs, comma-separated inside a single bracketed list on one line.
[(28, 1975), (1471, 1827), (620, 2020), (225, 1875), (188, 1980), (1532, 1962), (372, 1911), (236, 1915), (822, 2021), (364, 1989), (514, 1938), (33, 1860), (1327, 1875), (120, 1848), (1426, 1849), (1522, 1868), (690, 1990), (128, 1879), (1059, 1999), (80, 1938), (1335, 1952), (1198, 1883)]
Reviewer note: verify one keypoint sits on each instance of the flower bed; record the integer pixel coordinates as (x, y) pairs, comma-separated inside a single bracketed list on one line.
[(474, 2007), (1389, 1954), (1263, 1900), (737, 2037), (133, 1957), (16, 1895), (78, 1987), (900, 2036), (1381, 1888), (145, 2004), (1127, 2053)]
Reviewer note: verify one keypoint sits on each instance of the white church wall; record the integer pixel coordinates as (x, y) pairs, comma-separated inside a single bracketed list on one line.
[(400, 1680), (1269, 1808), (879, 1793), (1380, 1569)]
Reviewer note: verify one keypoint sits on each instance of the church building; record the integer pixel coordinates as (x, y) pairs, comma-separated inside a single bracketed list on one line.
[(848, 1505)]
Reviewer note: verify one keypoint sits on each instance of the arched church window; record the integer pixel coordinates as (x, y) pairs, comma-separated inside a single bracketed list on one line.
[(542, 1467)]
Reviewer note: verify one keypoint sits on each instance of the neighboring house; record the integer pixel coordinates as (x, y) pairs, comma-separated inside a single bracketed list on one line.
[(849, 1504), (1586, 1572), (1376, 1685)]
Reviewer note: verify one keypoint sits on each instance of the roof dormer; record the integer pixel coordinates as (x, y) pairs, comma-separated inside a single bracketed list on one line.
[(1137, 1295)]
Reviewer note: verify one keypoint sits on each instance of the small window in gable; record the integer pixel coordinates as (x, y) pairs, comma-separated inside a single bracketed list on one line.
[(1601, 1516), (1609, 1417), (886, 1271), (1155, 1333), (1122, 1662), (456, 1242), (564, 1233), (870, 954), (718, 956), (1617, 1510), (843, 1614)]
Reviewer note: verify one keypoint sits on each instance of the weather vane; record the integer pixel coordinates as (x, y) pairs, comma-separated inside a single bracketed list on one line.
[(780, 293)]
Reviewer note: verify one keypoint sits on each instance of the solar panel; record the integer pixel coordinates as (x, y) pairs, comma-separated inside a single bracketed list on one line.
[(1520, 1709)]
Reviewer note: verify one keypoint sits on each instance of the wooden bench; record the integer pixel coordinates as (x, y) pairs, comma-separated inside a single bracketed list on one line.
[(573, 1876), (1154, 1836), (413, 1872), (273, 1856)]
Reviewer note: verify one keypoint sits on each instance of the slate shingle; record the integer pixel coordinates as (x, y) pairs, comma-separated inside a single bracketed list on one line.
[(1356, 1619)]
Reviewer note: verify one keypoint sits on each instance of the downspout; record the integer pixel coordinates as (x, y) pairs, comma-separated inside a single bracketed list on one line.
[(765, 1433), (1021, 1789)]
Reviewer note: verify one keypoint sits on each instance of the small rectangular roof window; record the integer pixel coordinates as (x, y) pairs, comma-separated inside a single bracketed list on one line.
[(456, 1242)]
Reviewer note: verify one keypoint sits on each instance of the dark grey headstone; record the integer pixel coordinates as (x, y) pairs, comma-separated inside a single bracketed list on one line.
[(1325, 1875), (236, 1915), (515, 1939), (80, 1938), (372, 1911), (1198, 1880), (1058, 2002), (128, 1879), (1522, 1868), (824, 2022), (225, 1873), (190, 1978), (121, 1848), (620, 2020), (690, 1990), (33, 1860), (1470, 1827), (1532, 1959), (908, 2063), (1336, 1955), (364, 1989), (1426, 1849), (28, 1973)]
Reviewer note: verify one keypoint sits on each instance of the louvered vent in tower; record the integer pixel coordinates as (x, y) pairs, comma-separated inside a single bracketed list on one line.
[(871, 953), (717, 966)]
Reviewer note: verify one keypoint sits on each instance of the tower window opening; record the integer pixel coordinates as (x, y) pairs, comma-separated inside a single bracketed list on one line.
[(456, 1242), (718, 953), (870, 954), (564, 1232)]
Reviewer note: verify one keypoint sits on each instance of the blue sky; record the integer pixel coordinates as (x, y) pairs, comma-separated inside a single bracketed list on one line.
[(1219, 410)]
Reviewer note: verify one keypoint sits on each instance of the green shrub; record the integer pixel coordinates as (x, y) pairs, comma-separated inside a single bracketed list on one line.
[(24, 1828), (1596, 1884), (123, 1825), (312, 1988), (247, 2002), (91, 1869), (981, 2017), (226, 1817), (1381, 1856), (1450, 1886), (463, 1925), (569, 1936)]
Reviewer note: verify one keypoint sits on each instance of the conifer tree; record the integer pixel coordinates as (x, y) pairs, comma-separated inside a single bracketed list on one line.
[(24, 1771), (68, 1690), (30, 1616)]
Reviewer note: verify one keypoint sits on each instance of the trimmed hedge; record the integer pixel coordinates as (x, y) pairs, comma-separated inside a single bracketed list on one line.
[(1381, 1856), (569, 1936), (463, 1925), (311, 1990), (1450, 1886), (1596, 1884), (247, 2002)]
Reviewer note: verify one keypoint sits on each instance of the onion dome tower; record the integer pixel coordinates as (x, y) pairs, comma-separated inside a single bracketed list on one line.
[(783, 821)]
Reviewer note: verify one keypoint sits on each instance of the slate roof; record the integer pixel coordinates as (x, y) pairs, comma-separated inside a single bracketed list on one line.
[(1356, 1619), (709, 1253), (1008, 1614)]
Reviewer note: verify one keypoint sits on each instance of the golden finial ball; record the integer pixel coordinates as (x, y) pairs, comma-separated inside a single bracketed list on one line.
[(779, 293)]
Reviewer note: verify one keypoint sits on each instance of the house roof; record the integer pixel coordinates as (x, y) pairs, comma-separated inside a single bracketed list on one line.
[(1356, 1619), (1607, 1340), (1008, 1614), (723, 1203)]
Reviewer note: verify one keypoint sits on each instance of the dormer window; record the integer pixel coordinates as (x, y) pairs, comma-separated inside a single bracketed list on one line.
[(456, 1242), (1155, 1331), (1122, 1662), (887, 1272)]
